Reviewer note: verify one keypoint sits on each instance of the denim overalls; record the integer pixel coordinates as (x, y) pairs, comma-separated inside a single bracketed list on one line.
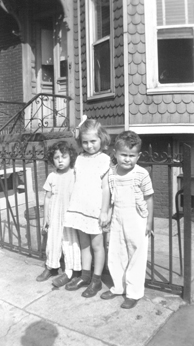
[(128, 245)]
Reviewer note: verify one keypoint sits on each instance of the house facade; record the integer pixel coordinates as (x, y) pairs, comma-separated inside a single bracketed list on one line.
[(137, 73), (36, 51), (128, 63)]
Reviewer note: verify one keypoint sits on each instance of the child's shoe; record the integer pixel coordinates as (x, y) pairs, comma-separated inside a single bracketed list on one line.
[(108, 295), (77, 283), (61, 280), (129, 303), (92, 289), (46, 274)]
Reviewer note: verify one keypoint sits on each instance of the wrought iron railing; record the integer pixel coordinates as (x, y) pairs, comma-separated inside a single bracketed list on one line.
[(43, 113)]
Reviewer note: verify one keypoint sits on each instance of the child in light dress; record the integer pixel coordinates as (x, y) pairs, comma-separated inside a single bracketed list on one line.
[(60, 240), (131, 224), (89, 205)]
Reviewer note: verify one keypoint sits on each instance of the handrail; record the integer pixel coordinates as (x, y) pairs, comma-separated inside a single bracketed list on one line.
[(12, 102), (30, 102)]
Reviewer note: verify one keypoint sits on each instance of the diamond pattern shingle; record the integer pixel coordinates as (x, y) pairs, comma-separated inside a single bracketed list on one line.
[(171, 108), (190, 108), (187, 98), (191, 117), (181, 108), (143, 108), (167, 98), (164, 108), (157, 99)]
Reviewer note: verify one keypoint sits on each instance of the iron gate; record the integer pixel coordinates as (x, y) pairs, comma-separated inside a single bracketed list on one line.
[(24, 168)]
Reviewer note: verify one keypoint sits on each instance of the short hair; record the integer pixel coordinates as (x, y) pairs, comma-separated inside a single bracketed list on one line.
[(94, 125), (64, 148), (128, 139)]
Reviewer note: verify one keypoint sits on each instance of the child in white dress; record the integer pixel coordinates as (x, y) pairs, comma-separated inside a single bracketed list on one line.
[(131, 224), (89, 205), (58, 187)]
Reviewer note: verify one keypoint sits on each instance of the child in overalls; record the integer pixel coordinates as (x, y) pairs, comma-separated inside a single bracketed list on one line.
[(131, 225)]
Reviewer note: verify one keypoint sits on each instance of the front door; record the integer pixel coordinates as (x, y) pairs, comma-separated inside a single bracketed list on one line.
[(52, 77)]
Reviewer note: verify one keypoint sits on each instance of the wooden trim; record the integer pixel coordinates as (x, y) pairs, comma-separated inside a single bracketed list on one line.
[(162, 128)]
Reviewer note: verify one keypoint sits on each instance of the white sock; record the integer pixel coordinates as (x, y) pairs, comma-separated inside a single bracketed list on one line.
[(69, 273)]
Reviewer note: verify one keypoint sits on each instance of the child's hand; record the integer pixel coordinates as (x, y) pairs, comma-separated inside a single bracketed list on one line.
[(149, 232), (45, 229), (103, 219)]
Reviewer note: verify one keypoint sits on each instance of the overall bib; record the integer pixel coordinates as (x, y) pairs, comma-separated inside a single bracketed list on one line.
[(128, 245)]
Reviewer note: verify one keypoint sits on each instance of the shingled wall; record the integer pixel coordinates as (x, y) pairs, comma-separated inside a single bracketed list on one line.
[(111, 110), (143, 108)]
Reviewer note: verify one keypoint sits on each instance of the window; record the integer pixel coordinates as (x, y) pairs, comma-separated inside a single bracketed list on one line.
[(169, 45), (63, 50), (99, 48), (47, 55)]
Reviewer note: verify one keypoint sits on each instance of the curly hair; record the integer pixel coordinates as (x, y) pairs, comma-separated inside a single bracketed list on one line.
[(64, 148), (128, 139), (93, 125)]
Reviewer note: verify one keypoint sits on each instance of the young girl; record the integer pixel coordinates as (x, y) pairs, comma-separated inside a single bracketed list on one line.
[(89, 204), (132, 195), (58, 187)]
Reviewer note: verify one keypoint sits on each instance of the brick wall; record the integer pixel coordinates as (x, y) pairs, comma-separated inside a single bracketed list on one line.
[(11, 86)]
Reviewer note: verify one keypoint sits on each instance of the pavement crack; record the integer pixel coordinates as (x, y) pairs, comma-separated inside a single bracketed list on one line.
[(73, 330), (11, 326)]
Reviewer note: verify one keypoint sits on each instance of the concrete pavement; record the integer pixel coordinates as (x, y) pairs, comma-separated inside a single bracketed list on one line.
[(178, 331), (36, 314)]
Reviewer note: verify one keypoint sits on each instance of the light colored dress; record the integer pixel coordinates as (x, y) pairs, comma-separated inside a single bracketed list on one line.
[(60, 239), (86, 200)]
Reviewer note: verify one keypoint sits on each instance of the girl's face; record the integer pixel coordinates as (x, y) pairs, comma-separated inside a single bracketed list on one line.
[(61, 161), (91, 143), (126, 158)]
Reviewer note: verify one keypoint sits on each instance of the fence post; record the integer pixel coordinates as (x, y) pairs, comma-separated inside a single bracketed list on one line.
[(187, 222)]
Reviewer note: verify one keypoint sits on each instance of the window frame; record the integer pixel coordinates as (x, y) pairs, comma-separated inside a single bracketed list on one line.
[(91, 94), (153, 85)]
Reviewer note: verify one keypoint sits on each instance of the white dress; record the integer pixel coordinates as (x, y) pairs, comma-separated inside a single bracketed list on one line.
[(60, 239), (86, 200)]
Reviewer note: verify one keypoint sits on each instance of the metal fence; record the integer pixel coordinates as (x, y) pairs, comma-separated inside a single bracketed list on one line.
[(43, 113), (24, 168)]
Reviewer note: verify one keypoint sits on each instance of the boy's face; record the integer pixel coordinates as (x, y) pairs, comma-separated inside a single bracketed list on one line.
[(126, 158)]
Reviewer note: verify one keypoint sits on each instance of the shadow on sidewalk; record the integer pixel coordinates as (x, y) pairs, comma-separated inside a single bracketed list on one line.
[(40, 333)]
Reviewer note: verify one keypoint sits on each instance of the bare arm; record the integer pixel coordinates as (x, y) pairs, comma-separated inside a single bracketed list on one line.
[(150, 205), (103, 218)]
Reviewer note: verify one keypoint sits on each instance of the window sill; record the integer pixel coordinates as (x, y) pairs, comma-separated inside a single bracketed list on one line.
[(101, 96), (172, 89)]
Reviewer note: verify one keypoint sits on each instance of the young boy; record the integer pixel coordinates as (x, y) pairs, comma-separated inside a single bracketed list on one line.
[(131, 224)]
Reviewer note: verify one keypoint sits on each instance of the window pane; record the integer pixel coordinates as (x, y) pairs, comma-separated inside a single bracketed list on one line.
[(175, 12), (47, 55), (191, 11), (63, 51), (175, 61), (102, 66), (159, 13), (102, 17)]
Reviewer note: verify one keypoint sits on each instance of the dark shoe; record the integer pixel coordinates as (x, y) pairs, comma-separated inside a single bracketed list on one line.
[(129, 303), (46, 274), (108, 295), (92, 289), (76, 283), (61, 280)]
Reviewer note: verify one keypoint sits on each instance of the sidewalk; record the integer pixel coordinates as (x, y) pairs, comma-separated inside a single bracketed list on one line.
[(178, 331), (36, 314)]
